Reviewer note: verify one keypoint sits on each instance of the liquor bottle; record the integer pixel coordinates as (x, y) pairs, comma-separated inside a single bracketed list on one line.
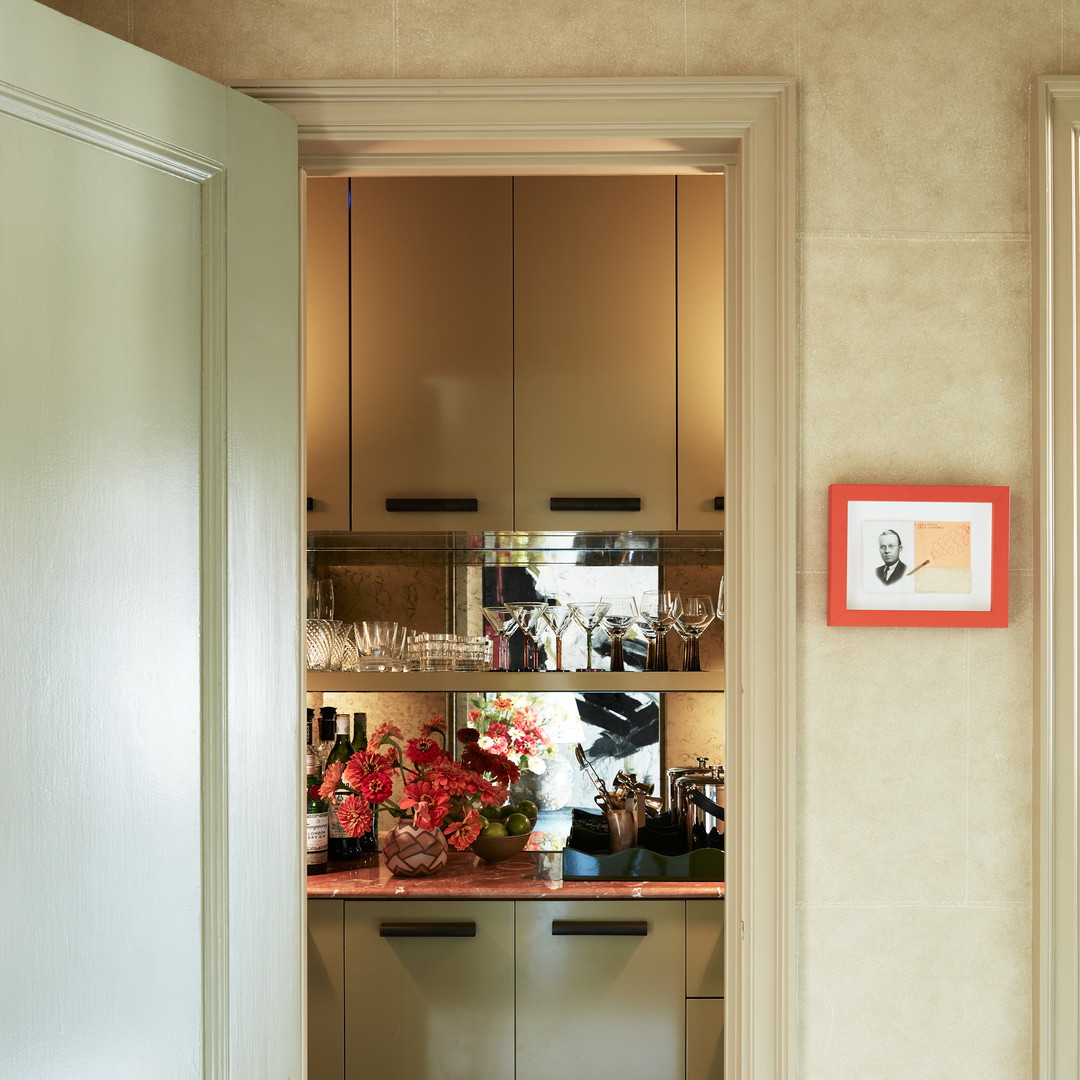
[(342, 848), (317, 831), (325, 734), (369, 842)]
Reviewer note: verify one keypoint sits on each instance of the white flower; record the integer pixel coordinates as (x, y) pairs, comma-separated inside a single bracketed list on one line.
[(537, 765), (485, 742)]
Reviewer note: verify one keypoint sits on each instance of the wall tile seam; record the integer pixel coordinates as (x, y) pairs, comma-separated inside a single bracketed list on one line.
[(917, 237), (874, 905)]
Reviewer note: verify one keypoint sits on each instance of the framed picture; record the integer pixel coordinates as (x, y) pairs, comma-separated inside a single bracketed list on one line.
[(906, 555)]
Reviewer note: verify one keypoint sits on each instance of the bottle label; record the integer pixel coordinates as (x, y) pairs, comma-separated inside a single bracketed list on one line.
[(332, 804), (317, 838)]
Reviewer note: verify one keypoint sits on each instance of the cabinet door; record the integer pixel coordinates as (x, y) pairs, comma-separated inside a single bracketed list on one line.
[(432, 351), (600, 989), (700, 234), (429, 989), (326, 351), (594, 349), (705, 948), (326, 989)]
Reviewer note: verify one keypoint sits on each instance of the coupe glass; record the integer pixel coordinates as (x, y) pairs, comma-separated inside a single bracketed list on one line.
[(558, 617), (501, 620), (695, 618), (589, 615), (656, 613), (529, 615), (617, 622)]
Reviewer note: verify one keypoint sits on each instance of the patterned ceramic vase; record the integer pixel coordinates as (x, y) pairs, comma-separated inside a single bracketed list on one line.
[(412, 852)]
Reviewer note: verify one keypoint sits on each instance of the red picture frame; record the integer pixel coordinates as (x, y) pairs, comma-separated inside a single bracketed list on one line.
[(918, 555)]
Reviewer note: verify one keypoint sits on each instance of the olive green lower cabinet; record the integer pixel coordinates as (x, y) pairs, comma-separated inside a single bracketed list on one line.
[(515, 990)]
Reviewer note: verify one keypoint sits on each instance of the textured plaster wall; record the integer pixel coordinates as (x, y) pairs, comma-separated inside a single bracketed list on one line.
[(914, 776)]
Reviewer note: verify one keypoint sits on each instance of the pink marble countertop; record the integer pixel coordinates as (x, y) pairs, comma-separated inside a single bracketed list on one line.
[(532, 875)]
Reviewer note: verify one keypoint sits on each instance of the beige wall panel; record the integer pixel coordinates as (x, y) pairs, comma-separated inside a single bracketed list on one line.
[(594, 335), (700, 245), (429, 1008), (704, 1039), (432, 349), (326, 312), (600, 1006), (326, 989)]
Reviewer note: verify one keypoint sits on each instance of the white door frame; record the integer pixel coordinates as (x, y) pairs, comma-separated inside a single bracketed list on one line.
[(1055, 281), (746, 127)]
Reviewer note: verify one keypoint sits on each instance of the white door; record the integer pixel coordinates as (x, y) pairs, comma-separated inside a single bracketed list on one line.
[(150, 541)]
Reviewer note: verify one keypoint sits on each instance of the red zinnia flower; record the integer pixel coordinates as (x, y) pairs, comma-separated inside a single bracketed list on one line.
[(331, 779), (383, 732), (480, 761), (462, 833), (355, 816), (363, 763), (436, 723), (377, 786), (423, 751), (429, 804), (468, 735), (503, 703)]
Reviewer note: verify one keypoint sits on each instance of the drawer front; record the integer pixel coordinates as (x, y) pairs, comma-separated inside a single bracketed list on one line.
[(704, 948), (429, 989), (704, 1039), (600, 990)]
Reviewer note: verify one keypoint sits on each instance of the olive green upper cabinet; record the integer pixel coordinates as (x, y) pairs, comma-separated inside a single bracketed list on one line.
[(326, 334), (531, 353), (432, 353), (594, 351)]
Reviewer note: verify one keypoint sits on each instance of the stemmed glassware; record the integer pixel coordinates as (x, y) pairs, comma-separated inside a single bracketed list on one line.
[(617, 622), (501, 620), (528, 614), (694, 619), (656, 613), (588, 616), (558, 617)]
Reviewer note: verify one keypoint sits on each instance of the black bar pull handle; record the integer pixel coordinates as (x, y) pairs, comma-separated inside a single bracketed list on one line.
[(629, 503), (718, 502), (432, 506), (427, 929), (599, 928), (310, 503)]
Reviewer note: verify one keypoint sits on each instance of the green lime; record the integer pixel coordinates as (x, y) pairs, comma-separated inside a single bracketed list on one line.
[(529, 809), (516, 824), (494, 828)]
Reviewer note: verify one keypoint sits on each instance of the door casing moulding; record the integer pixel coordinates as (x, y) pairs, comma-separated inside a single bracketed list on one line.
[(745, 127), (1056, 250)]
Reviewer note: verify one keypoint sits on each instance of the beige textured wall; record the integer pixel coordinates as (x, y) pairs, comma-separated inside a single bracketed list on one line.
[(914, 783)]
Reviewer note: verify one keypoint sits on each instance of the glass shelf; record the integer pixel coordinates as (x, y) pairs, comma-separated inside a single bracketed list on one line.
[(510, 682)]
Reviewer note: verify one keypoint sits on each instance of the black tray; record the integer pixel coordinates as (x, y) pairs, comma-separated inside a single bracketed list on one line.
[(640, 864)]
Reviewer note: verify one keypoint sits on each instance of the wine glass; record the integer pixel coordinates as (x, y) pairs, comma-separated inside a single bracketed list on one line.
[(695, 618), (588, 616), (558, 617), (656, 613), (528, 614), (501, 620), (617, 622)]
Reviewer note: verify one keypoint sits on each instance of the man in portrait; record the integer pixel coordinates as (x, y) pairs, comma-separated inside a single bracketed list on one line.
[(892, 569)]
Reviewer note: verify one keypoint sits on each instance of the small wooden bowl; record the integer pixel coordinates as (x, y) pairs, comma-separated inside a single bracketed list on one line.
[(493, 849)]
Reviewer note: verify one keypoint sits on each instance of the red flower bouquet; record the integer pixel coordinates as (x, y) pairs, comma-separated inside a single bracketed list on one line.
[(438, 792)]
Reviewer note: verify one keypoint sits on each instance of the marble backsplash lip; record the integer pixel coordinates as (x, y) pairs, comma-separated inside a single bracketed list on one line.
[(528, 876)]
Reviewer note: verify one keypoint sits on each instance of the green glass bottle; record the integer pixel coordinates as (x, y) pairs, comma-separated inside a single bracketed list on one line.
[(343, 848)]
